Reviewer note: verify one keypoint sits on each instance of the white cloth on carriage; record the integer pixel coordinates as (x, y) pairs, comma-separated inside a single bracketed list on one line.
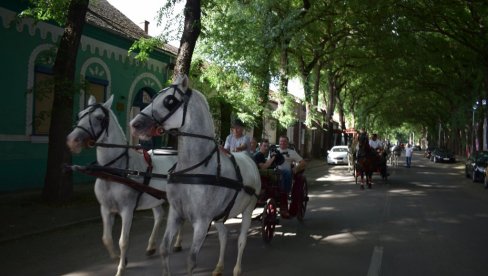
[(375, 144), (290, 156)]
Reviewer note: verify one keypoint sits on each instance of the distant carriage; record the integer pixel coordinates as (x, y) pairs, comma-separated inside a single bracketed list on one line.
[(367, 162)]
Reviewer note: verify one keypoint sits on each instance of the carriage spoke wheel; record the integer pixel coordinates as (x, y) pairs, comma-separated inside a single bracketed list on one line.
[(268, 223), (304, 201)]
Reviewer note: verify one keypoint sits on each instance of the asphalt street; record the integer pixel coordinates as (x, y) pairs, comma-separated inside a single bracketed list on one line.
[(425, 220)]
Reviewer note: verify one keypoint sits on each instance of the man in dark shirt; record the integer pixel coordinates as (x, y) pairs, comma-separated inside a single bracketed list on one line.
[(260, 156)]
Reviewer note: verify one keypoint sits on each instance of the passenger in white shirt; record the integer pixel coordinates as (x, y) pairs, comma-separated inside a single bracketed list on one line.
[(374, 143), (237, 141)]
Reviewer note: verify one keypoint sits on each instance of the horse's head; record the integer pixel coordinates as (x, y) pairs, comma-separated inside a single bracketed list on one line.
[(166, 111), (91, 126), (363, 139)]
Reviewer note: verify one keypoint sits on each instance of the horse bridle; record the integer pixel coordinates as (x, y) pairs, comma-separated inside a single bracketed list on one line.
[(104, 123), (171, 103)]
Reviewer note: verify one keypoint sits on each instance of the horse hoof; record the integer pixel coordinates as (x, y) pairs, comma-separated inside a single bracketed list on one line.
[(362, 187), (369, 186), (126, 261), (150, 252), (177, 249)]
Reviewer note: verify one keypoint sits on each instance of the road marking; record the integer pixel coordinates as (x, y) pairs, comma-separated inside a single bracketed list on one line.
[(375, 264)]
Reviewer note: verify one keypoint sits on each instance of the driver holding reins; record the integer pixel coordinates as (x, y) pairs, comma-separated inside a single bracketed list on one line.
[(375, 144)]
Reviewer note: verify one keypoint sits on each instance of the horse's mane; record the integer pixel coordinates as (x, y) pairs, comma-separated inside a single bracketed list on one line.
[(363, 141), (200, 109), (116, 123)]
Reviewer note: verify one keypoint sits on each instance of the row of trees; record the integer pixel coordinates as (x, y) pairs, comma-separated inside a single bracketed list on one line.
[(380, 65), (411, 65)]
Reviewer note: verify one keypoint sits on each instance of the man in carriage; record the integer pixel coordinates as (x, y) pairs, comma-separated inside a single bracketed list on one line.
[(375, 143), (292, 164)]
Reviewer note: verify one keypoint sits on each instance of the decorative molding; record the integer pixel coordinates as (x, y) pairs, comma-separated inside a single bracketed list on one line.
[(148, 80), (87, 65), (95, 47)]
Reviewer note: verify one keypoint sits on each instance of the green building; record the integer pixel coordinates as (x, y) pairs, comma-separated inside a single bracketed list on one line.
[(27, 52)]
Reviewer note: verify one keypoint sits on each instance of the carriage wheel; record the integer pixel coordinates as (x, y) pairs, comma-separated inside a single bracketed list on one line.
[(304, 201), (268, 223)]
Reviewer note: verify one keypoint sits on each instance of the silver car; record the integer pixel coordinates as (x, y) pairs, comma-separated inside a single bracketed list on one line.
[(337, 155)]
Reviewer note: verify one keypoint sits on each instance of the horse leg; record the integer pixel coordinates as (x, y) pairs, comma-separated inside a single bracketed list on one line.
[(223, 233), (362, 181), (177, 246), (158, 213), (200, 229), (108, 222), (172, 227), (245, 224), (369, 179), (127, 215)]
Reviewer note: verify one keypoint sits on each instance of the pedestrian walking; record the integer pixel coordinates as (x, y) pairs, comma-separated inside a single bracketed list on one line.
[(408, 155)]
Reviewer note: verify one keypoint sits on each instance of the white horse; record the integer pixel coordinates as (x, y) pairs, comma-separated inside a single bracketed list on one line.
[(205, 185), (97, 123)]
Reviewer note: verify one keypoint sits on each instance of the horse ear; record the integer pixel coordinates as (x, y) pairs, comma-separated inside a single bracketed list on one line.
[(183, 81), (92, 100), (109, 102)]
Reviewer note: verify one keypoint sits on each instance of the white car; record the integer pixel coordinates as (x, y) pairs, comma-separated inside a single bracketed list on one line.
[(337, 155)]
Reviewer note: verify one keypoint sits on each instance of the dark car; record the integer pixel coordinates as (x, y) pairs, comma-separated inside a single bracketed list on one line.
[(476, 165), (442, 155)]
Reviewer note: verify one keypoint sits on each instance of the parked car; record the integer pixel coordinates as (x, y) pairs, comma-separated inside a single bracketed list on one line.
[(337, 155), (475, 166), (442, 155)]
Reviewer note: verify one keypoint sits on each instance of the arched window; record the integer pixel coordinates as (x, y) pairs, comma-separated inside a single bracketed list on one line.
[(43, 92), (96, 81)]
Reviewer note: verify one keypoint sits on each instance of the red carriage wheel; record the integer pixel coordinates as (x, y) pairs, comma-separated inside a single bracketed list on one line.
[(304, 201), (268, 223)]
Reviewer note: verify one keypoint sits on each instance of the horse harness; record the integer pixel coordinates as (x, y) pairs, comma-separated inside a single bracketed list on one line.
[(172, 104), (181, 177)]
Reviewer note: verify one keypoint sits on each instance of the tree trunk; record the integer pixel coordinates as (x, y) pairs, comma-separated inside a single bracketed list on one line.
[(191, 32), (58, 185), (225, 113)]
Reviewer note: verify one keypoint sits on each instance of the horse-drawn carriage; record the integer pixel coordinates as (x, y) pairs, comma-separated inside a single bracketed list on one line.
[(272, 201), (368, 161), (203, 186)]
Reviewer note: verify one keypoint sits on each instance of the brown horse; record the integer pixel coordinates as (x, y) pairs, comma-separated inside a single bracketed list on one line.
[(368, 161)]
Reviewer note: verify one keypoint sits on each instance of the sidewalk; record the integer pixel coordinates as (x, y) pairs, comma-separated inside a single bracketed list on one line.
[(24, 213)]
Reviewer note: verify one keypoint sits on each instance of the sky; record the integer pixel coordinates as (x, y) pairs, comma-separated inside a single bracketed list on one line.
[(140, 10)]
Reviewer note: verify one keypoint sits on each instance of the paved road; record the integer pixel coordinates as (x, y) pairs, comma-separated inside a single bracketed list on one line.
[(427, 220)]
